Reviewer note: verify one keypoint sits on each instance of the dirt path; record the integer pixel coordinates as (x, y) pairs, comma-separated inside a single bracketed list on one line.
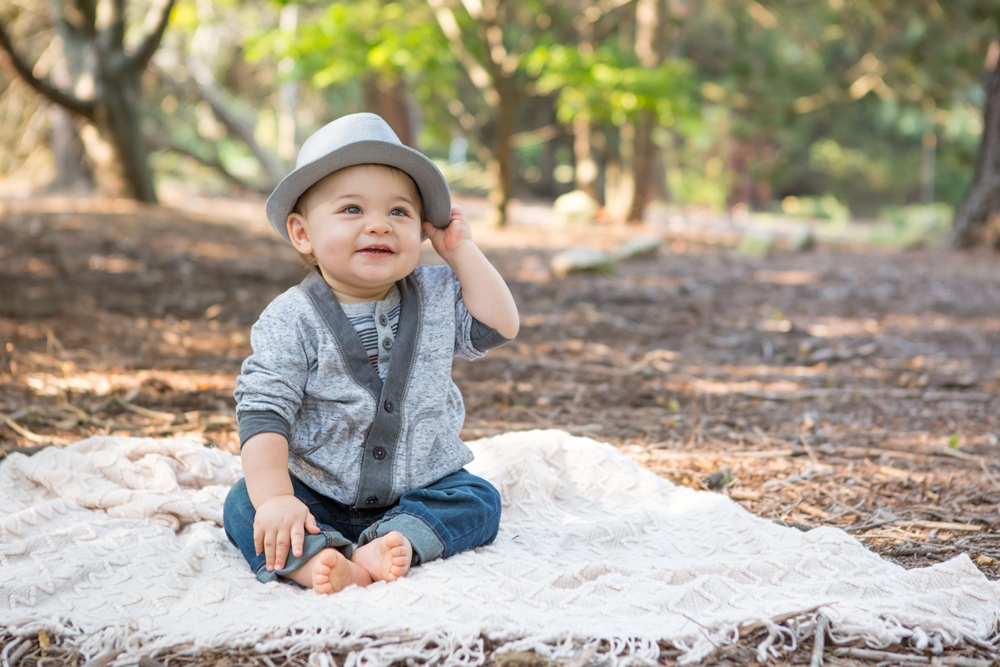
[(824, 388)]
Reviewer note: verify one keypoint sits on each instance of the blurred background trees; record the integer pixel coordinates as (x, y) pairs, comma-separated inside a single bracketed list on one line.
[(827, 109)]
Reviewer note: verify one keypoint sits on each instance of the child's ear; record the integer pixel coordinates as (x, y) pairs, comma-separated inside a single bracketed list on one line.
[(298, 233)]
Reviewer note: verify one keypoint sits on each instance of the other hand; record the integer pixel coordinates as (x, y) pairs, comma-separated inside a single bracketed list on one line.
[(451, 239)]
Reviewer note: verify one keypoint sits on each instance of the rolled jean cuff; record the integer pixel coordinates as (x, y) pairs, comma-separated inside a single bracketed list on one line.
[(311, 545), (427, 545)]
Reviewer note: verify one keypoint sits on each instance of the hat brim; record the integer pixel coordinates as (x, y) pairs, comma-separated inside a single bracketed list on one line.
[(433, 188)]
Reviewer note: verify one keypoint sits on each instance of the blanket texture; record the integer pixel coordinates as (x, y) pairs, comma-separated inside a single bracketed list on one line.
[(118, 543)]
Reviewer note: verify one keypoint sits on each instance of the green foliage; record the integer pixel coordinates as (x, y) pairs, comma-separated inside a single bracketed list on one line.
[(611, 86), (352, 40), (827, 208), (835, 97)]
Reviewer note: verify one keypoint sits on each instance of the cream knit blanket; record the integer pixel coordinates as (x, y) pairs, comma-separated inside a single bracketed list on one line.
[(118, 543)]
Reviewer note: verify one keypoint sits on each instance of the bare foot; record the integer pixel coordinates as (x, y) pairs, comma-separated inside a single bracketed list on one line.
[(387, 558), (328, 572)]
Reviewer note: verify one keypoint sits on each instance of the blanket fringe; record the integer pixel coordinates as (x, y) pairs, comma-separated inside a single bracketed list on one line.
[(443, 648)]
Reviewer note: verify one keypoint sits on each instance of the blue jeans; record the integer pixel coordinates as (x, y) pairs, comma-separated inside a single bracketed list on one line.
[(454, 514)]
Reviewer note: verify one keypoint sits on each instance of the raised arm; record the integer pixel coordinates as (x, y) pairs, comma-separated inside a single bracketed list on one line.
[(485, 293)]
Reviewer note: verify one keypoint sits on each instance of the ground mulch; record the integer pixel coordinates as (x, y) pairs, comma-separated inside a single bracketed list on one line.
[(836, 387)]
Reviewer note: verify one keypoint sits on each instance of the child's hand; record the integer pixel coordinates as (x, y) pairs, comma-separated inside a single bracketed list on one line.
[(281, 523), (449, 240)]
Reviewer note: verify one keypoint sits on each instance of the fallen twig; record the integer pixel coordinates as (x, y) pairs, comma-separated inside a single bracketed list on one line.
[(28, 435), (102, 660), (145, 412), (865, 392), (819, 639), (880, 656)]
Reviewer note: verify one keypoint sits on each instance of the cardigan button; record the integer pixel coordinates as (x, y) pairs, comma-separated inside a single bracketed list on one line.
[(379, 453), (370, 502), (388, 405)]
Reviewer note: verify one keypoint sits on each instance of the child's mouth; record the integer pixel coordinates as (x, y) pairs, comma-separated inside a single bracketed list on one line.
[(377, 250)]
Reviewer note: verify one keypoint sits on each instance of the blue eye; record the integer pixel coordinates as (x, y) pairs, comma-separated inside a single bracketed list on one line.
[(399, 211), (352, 210)]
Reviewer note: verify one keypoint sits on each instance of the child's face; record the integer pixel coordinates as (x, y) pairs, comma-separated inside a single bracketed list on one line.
[(362, 224)]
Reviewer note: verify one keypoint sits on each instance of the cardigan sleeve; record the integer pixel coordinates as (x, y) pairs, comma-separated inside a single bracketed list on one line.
[(272, 380), (473, 339)]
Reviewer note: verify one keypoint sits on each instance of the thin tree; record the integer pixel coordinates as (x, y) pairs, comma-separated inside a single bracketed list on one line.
[(982, 203), (112, 103)]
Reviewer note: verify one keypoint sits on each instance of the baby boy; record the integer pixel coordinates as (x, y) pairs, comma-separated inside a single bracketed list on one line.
[(349, 419)]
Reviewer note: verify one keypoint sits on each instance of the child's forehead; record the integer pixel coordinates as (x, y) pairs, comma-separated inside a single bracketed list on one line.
[(362, 178)]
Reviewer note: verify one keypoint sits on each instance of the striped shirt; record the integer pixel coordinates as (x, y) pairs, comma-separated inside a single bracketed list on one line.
[(377, 323)]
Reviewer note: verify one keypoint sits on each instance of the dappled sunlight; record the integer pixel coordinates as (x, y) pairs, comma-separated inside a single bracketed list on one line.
[(838, 327), (786, 277), (103, 384)]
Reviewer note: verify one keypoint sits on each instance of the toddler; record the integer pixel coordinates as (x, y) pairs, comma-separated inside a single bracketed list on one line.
[(349, 419)]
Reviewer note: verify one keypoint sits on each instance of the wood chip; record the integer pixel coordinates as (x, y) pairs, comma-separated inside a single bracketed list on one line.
[(744, 494), (940, 525), (812, 510)]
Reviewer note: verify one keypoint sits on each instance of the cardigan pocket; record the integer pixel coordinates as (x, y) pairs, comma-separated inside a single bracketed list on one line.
[(424, 447), (328, 444)]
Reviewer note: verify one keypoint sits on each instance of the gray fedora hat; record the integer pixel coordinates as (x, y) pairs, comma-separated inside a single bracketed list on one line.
[(361, 138)]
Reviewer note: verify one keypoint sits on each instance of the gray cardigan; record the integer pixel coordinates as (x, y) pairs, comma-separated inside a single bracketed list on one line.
[(352, 437)]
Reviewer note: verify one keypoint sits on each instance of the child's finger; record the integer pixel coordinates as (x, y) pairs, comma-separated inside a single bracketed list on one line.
[(258, 539), (269, 539), (281, 549), (297, 535), (311, 524)]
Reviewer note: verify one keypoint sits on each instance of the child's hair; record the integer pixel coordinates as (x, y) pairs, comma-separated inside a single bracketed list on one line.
[(302, 209)]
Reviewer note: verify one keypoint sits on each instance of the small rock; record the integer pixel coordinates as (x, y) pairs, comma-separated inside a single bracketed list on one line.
[(581, 259), (801, 240), (825, 354), (719, 479), (639, 247), (576, 206), (756, 243)]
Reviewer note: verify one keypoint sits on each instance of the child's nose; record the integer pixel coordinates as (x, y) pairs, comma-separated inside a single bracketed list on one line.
[(378, 225)]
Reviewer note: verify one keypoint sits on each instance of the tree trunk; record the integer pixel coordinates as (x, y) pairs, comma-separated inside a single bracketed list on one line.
[(288, 93), (113, 103), (585, 166), (396, 111), (119, 121), (620, 187), (502, 165), (638, 167), (982, 203), (547, 160), (73, 174), (388, 100), (583, 155), (642, 172)]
